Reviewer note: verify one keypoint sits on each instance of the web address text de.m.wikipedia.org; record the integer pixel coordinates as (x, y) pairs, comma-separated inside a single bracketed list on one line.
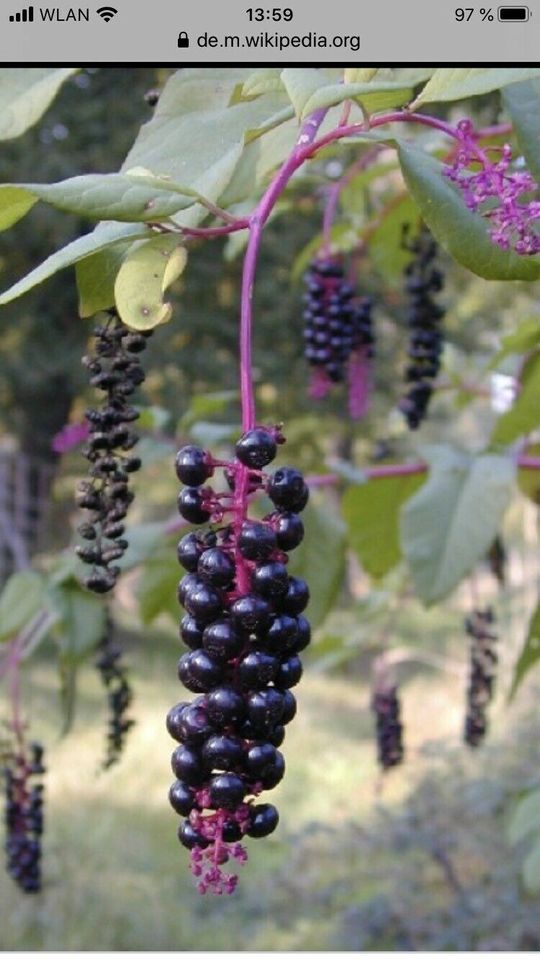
[(268, 39)]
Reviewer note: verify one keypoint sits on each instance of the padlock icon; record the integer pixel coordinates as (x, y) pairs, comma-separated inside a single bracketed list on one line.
[(183, 39)]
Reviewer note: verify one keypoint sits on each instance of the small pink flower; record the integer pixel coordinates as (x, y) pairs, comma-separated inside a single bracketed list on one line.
[(71, 435), (494, 192)]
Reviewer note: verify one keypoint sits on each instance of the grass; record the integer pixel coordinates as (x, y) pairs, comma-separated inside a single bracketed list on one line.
[(343, 859)]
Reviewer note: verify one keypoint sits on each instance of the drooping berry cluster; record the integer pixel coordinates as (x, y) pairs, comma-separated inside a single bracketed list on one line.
[(497, 560), (119, 694), (424, 321), (336, 323), (483, 662), (115, 369), (24, 817), (389, 729), (245, 627)]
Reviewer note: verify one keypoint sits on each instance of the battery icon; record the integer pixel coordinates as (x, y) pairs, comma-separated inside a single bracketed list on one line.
[(513, 14)]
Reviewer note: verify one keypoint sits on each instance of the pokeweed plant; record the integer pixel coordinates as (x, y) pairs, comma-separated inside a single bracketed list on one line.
[(186, 180)]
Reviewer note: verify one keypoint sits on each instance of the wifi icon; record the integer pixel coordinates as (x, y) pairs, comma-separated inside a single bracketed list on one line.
[(107, 13)]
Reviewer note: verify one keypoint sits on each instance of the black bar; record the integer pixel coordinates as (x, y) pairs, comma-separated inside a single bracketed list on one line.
[(24, 16), (30, 14), (513, 14), (17, 17)]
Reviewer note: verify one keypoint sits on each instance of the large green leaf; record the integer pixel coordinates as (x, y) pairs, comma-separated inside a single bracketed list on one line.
[(524, 338), (522, 100), (448, 526), (96, 277), (320, 559), (147, 271), (379, 95), (461, 232), (530, 655), (25, 94), (158, 584), (106, 235), (457, 83), (20, 600), (300, 84), (371, 512), (525, 818), (81, 620), (524, 415)]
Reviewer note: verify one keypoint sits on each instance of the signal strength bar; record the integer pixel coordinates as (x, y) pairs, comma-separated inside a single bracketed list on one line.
[(24, 16)]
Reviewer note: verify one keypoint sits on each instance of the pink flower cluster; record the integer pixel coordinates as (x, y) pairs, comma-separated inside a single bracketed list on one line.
[(71, 435), (495, 192)]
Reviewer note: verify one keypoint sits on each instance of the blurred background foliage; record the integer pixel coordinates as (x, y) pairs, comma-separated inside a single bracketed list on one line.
[(416, 860)]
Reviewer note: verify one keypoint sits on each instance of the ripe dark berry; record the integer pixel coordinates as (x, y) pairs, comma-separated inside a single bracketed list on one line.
[(225, 706), (222, 752), (174, 719), (250, 614), (188, 551), (259, 759), (282, 634), (221, 640), (204, 602), (256, 448), (256, 670), (271, 580), (288, 528), (303, 638), (389, 730), (199, 672), (190, 837), (482, 673), (227, 790), (265, 708), (193, 466), (182, 798), (274, 773), (287, 489), (289, 707), (256, 541), (264, 819), (195, 726), (186, 585), (289, 673), (193, 505), (216, 567), (187, 765), (276, 735), (191, 632), (297, 597)]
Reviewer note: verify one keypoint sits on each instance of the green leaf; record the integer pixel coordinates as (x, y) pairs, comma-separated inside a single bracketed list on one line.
[(524, 415), (522, 100), (96, 276), (144, 539), (264, 80), (371, 512), (385, 247), (524, 338), (158, 584), (380, 95), (25, 94), (530, 654), (196, 136), (105, 235), (148, 269), (531, 870), (525, 818), (457, 83), (20, 600), (301, 83), (448, 526), (15, 202), (462, 233), (82, 620), (322, 567), (529, 480), (359, 74)]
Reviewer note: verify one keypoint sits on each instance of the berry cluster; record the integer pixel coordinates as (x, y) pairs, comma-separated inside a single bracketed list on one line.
[(424, 321), (115, 369), (24, 817), (497, 560), (244, 627), (483, 662), (119, 697), (336, 325), (389, 729)]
